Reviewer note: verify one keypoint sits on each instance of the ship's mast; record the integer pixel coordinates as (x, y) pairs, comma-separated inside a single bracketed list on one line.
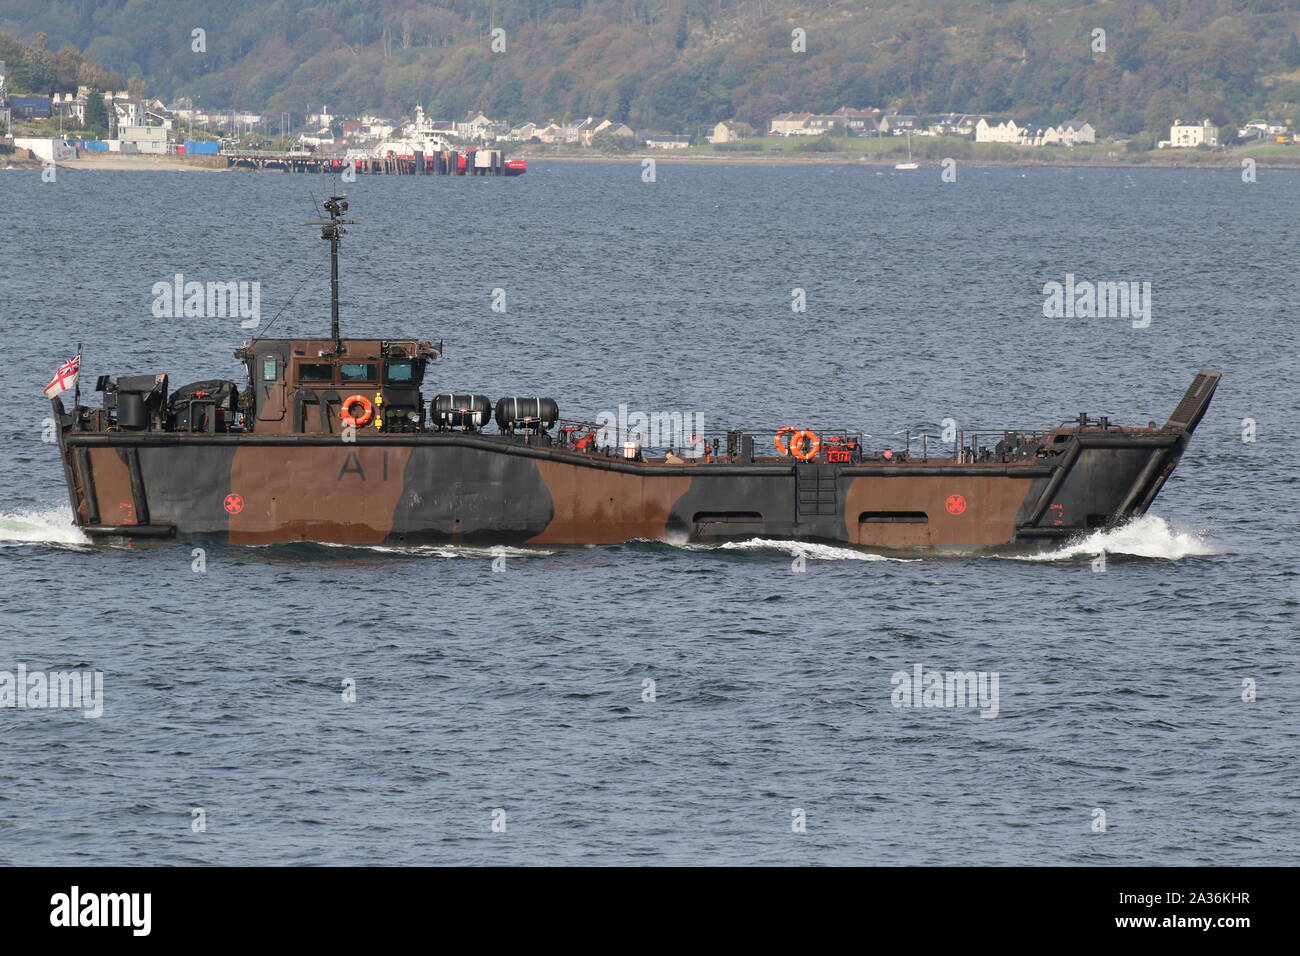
[(332, 229)]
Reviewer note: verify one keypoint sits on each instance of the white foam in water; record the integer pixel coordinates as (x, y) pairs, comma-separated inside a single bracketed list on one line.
[(1146, 537), (45, 526), (446, 550), (809, 549)]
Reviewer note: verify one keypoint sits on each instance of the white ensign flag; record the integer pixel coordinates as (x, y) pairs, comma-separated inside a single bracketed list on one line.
[(65, 378)]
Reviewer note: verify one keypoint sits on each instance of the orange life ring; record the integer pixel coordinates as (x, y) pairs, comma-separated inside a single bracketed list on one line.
[(781, 448), (364, 402), (805, 445)]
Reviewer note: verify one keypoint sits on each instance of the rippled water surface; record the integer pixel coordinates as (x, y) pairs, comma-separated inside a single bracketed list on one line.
[(523, 690)]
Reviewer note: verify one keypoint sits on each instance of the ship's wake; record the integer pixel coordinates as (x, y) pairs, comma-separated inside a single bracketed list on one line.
[(1146, 537), (445, 550), (810, 550), (40, 526)]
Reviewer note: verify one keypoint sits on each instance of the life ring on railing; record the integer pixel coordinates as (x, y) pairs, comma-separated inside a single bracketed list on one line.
[(781, 448), (805, 445), (364, 417)]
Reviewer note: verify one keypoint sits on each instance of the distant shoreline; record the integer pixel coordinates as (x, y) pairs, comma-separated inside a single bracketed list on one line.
[(887, 162), (140, 162)]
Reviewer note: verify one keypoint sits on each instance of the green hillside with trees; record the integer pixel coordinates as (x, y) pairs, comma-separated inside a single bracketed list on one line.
[(676, 65)]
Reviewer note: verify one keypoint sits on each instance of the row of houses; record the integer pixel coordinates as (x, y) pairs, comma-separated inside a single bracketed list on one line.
[(566, 134), (585, 133), (123, 109), (855, 121), (137, 124), (865, 122), (145, 122), (130, 118), (326, 131), (141, 124), (994, 129), (478, 127), (983, 129)]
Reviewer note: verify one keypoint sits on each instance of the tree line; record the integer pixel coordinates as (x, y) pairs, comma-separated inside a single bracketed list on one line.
[(1127, 66)]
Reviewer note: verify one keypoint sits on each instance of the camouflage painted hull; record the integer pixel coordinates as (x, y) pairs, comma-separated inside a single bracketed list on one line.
[(483, 489), (333, 441)]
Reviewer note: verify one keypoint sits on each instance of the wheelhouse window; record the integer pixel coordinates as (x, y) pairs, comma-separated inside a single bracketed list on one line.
[(357, 372), (399, 372), (268, 369), (314, 372)]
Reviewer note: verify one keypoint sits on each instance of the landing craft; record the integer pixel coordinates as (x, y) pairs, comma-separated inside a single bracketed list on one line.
[(332, 440)]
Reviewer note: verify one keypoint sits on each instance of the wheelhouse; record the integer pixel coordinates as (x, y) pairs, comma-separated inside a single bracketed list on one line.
[(304, 386)]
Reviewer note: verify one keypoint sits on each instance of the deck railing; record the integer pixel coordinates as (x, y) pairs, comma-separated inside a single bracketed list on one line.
[(835, 444)]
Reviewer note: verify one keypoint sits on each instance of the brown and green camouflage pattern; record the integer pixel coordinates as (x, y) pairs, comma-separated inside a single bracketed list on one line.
[(296, 478)]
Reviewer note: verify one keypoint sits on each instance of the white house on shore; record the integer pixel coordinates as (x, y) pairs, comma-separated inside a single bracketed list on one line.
[(1190, 135)]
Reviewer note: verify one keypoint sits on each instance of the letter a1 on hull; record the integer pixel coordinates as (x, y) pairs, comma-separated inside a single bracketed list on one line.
[(332, 440)]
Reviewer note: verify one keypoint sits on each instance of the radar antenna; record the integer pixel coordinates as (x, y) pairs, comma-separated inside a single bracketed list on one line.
[(332, 229)]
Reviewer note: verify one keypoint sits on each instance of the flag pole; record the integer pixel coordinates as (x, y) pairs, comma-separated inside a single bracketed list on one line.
[(76, 395)]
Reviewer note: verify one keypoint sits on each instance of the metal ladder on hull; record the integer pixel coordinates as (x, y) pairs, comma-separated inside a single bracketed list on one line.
[(816, 492)]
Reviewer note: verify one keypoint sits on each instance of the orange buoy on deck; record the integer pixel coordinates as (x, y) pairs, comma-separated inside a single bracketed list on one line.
[(805, 445)]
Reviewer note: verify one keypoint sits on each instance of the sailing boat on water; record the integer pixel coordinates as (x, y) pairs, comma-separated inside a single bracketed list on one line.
[(909, 164)]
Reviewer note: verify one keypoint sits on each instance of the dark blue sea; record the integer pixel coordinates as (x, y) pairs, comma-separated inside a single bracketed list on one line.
[(505, 717)]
